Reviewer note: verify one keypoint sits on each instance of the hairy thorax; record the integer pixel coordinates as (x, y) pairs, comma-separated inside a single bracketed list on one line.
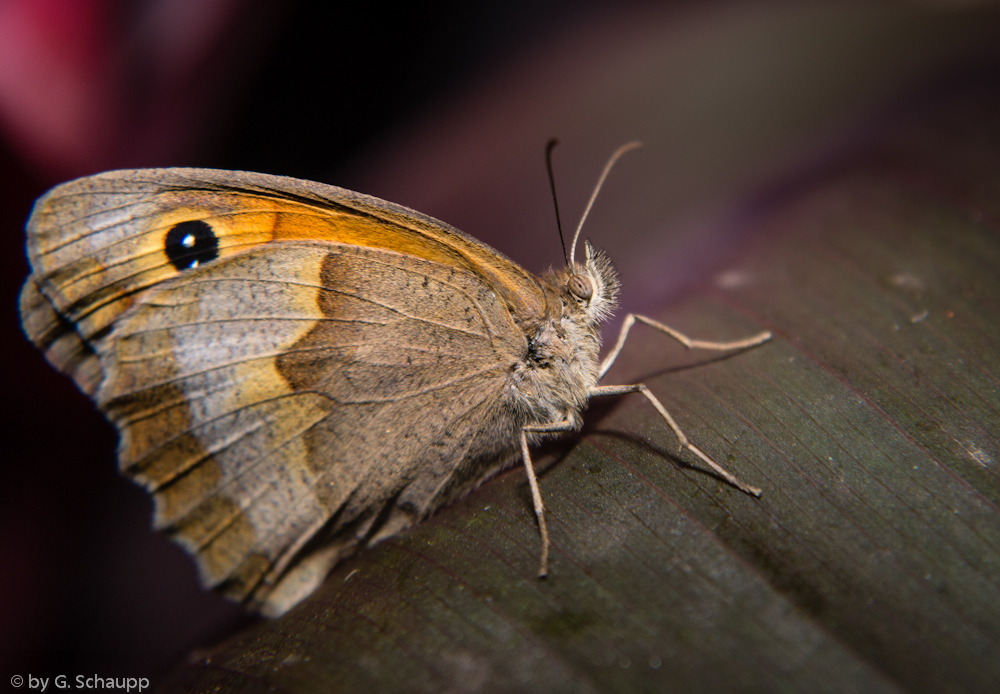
[(551, 383)]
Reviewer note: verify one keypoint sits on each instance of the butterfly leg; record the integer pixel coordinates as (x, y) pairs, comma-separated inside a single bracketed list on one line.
[(536, 495), (602, 391), (631, 319)]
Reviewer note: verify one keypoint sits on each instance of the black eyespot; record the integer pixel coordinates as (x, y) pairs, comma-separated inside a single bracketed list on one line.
[(190, 244), (580, 287)]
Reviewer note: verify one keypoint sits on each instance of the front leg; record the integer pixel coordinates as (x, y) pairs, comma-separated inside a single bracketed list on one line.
[(631, 318), (536, 495)]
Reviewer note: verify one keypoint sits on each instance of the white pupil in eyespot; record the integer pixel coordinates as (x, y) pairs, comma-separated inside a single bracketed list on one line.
[(188, 241)]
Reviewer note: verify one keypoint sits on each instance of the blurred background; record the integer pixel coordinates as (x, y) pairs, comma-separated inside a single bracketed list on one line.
[(444, 109)]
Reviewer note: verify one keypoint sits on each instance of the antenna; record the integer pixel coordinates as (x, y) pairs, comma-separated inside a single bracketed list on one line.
[(600, 182), (552, 184)]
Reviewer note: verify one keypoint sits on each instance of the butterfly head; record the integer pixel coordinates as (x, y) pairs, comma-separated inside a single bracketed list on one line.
[(593, 286)]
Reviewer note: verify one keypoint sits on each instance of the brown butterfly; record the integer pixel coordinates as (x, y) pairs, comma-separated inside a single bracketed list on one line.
[(297, 370)]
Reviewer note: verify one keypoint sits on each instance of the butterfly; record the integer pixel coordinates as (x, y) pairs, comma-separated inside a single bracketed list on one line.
[(297, 370)]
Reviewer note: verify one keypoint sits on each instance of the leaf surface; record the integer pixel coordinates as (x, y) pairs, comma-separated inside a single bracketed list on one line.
[(872, 560)]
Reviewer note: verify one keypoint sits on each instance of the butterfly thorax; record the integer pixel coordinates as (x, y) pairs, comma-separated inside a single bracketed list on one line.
[(562, 361)]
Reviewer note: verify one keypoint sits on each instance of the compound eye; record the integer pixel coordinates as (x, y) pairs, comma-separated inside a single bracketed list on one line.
[(580, 287)]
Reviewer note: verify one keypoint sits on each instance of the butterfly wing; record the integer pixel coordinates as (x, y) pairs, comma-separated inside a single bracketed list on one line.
[(95, 244), (271, 396), (294, 395)]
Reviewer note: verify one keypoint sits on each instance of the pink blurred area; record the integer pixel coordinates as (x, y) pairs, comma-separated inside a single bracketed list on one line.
[(55, 93), (87, 85)]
